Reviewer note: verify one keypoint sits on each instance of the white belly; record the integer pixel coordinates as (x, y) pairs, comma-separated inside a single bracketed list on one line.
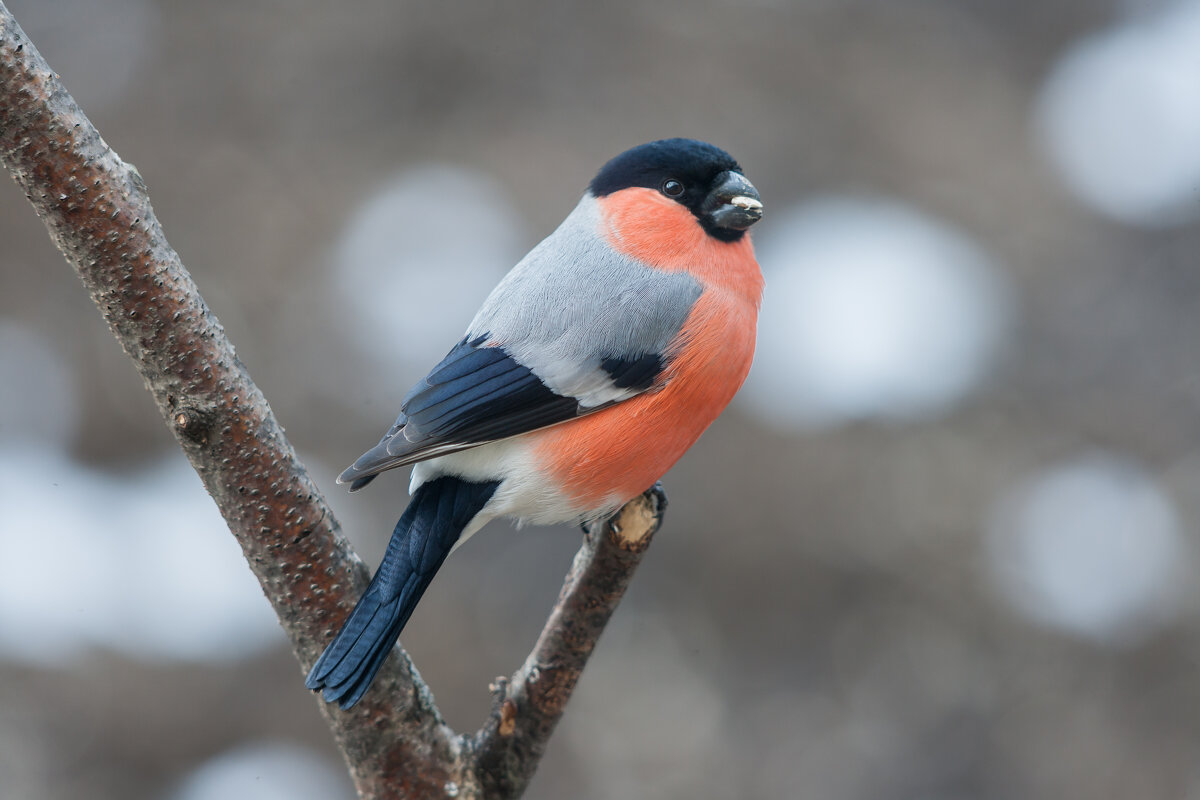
[(525, 493)]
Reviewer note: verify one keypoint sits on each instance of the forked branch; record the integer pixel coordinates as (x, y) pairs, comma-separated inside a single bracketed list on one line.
[(395, 742)]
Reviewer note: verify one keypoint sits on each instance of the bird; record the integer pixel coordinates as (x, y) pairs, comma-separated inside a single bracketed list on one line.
[(590, 369)]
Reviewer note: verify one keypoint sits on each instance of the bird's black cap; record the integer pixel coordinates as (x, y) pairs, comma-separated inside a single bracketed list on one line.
[(698, 167), (692, 162)]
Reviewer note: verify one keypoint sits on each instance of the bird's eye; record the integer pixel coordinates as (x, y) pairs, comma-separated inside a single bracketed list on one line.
[(672, 188)]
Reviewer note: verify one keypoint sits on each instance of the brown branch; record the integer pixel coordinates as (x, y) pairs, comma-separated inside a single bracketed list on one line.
[(396, 745), (529, 705)]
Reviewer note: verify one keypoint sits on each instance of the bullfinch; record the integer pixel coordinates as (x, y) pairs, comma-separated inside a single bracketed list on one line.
[(589, 370)]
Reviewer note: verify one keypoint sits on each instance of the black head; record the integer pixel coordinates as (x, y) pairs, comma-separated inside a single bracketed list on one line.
[(703, 178)]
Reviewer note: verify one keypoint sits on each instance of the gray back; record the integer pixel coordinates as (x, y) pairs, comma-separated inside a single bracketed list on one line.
[(574, 301)]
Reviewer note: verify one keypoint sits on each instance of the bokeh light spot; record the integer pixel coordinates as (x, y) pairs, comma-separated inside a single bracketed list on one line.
[(1119, 116), (872, 310), (1092, 547)]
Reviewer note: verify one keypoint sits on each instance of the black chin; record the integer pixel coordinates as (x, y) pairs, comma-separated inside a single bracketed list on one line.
[(719, 232)]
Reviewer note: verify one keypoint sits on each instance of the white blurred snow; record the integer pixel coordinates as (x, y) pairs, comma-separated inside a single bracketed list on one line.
[(1092, 547), (265, 770), (141, 563), (414, 273), (872, 310), (1119, 116), (38, 401)]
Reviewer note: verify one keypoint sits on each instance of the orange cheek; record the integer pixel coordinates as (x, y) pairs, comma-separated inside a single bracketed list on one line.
[(659, 232)]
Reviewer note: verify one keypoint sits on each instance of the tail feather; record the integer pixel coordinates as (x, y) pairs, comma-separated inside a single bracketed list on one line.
[(424, 536)]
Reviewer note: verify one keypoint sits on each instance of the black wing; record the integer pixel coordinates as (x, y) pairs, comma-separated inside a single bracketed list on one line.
[(480, 394)]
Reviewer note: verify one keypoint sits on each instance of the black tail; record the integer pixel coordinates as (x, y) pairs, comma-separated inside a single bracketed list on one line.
[(432, 523)]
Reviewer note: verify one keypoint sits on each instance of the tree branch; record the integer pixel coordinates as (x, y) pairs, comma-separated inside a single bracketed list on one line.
[(528, 706), (396, 745)]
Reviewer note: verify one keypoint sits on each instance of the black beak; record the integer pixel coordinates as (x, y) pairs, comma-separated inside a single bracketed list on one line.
[(733, 203)]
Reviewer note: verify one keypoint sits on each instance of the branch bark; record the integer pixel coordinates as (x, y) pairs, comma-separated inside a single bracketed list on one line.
[(395, 742), (529, 705)]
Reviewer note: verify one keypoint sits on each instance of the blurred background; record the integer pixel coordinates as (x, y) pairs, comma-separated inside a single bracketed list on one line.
[(943, 545)]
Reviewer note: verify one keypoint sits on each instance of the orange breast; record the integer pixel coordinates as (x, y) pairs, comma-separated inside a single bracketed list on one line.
[(613, 455)]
